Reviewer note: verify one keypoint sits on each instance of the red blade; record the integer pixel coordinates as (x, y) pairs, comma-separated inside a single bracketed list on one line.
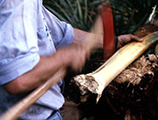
[(109, 37)]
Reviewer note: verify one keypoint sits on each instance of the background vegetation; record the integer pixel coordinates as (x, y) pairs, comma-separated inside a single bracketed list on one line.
[(128, 15)]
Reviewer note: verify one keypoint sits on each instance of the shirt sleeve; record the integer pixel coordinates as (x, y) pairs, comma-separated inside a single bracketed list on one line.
[(18, 38), (61, 32)]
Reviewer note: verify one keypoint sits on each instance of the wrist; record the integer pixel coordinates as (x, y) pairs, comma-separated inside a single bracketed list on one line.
[(119, 44), (116, 42), (63, 58)]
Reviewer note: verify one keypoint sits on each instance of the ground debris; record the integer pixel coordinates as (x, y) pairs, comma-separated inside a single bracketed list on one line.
[(134, 92)]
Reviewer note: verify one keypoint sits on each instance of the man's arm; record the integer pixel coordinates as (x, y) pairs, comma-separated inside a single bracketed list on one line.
[(91, 39)]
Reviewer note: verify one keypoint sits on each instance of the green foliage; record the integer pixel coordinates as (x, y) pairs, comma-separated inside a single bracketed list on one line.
[(79, 13), (128, 15)]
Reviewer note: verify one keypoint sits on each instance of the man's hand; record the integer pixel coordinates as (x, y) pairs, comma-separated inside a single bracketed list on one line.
[(124, 39), (73, 56)]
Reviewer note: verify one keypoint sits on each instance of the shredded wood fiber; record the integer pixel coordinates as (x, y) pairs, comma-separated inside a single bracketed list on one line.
[(86, 83), (134, 92)]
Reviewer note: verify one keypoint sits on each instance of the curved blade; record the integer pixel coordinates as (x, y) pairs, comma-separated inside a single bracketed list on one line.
[(109, 37)]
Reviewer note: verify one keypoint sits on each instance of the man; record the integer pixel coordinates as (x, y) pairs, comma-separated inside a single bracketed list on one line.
[(34, 44)]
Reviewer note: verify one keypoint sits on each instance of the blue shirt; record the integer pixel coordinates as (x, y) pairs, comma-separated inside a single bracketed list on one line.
[(28, 31)]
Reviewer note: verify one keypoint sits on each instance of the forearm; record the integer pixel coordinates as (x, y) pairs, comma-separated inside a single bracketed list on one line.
[(88, 39), (46, 67)]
